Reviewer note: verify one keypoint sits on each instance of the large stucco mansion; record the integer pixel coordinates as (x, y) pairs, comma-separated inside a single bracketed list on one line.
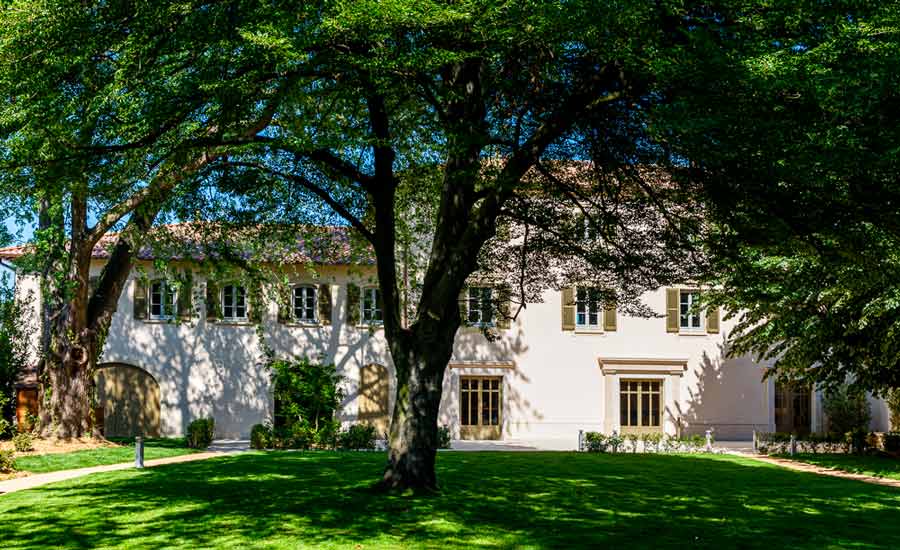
[(564, 365)]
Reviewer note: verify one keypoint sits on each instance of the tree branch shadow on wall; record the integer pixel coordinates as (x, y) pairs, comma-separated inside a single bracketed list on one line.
[(728, 397), (472, 347)]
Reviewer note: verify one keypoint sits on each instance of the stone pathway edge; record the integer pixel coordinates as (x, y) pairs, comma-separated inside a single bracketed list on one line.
[(37, 480), (811, 468)]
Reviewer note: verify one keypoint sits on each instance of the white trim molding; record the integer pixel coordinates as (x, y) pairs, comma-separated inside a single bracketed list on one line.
[(629, 365), (482, 365)]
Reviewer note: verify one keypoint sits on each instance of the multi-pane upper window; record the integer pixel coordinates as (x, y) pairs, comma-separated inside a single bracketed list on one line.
[(371, 306), (480, 305), (587, 307), (162, 300), (234, 303), (690, 318), (305, 304)]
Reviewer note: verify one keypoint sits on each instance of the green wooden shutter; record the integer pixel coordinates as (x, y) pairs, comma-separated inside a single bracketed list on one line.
[(712, 320), (609, 319), (255, 302), (186, 297), (503, 297), (213, 301), (324, 298), (673, 323), (352, 304), (139, 300), (286, 304), (568, 309), (463, 300)]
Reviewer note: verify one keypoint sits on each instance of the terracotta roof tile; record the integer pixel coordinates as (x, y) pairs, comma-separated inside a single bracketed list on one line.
[(326, 245)]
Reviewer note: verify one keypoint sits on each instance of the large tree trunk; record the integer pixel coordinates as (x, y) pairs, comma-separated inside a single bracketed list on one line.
[(71, 389), (76, 318), (80, 318), (420, 361)]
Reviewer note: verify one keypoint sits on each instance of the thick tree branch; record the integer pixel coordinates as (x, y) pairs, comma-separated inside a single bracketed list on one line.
[(324, 195)]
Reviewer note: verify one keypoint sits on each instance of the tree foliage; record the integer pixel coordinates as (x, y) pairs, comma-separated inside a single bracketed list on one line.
[(13, 350), (533, 143), (797, 164)]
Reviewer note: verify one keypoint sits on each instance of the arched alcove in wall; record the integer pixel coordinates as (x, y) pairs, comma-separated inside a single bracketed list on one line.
[(374, 397), (129, 398)]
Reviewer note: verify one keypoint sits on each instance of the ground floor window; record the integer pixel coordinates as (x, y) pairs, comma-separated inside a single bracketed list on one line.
[(640, 405), (480, 410)]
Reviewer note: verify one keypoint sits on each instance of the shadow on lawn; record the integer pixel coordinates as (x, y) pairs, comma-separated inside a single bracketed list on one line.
[(489, 499)]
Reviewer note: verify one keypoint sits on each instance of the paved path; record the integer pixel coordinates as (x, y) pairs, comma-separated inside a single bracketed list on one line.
[(28, 482), (812, 468)]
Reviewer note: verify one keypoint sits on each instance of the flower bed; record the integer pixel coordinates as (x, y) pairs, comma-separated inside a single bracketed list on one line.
[(596, 442)]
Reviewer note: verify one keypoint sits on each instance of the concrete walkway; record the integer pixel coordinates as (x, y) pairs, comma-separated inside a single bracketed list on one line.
[(812, 468), (218, 448)]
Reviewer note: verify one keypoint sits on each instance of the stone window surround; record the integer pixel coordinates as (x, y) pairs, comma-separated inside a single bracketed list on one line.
[(669, 371)]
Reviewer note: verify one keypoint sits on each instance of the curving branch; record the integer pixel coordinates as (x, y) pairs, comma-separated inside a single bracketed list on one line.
[(324, 195)]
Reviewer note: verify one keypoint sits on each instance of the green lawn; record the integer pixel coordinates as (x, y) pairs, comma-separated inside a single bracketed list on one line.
[(153, 448), (489, 500), (878, 466)]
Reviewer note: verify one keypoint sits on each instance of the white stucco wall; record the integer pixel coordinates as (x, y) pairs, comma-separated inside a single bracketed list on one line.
[(217, 369), (553, 381), (556, 386)]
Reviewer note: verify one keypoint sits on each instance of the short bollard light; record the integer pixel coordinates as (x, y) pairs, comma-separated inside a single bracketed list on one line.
[(709, 441), (793, 444), (139, 452)]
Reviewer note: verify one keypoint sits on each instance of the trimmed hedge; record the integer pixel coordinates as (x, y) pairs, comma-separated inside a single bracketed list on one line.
[(359, 437), (443, 437), (200, 433), (596, 442), (857, 441), (7, 462), (23, 442), (891, 442)]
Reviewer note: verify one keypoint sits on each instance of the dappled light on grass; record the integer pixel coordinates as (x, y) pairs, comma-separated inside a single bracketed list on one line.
[(487, 500)]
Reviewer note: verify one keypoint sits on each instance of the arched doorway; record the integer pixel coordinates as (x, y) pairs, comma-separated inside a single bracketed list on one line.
[(374, 398), (129, 399)]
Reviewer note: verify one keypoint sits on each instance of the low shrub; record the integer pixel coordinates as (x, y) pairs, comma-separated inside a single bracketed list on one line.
[(615, 441), (652, 442), (633, 441), (857, 441), (780, 443), (23, 442), (6, 428), (7, 462), (595, 442), (200, 433), (444, 437), (302, 436), (326, 436), (260, 436), (357, 437), (891, 442), (847, 410)]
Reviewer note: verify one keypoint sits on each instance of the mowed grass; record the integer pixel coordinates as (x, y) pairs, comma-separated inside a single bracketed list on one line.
[(878, 466), (52, 462), (489, 500)]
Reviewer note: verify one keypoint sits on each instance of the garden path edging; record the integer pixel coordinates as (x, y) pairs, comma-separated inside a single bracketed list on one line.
[(37, 480), (811, 468)]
